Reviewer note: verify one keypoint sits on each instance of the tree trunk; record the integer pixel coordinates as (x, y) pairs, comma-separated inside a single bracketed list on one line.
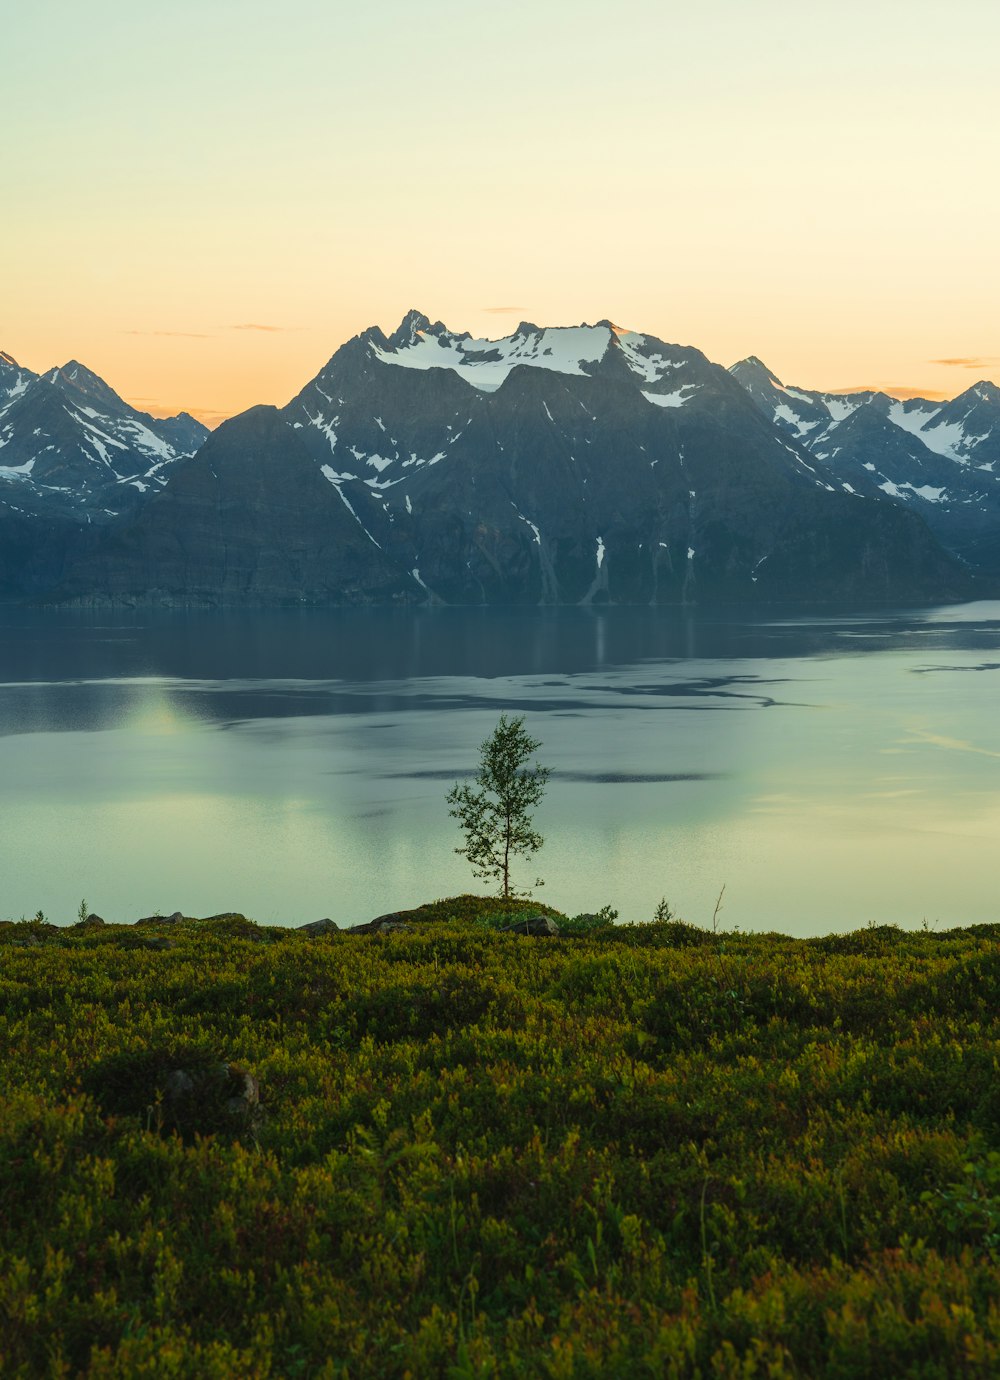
[(506, 861)]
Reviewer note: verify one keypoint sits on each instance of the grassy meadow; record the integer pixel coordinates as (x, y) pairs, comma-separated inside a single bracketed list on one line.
[(649, 1150)]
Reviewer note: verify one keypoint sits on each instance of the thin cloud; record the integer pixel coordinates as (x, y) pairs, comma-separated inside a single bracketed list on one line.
[(894, 390), (930, 394), (182, 335), (255, 326), (502, 311), (210, 418), (970, 361)]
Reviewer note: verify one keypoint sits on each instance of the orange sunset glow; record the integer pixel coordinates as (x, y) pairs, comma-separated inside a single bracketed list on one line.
[(204, 227)]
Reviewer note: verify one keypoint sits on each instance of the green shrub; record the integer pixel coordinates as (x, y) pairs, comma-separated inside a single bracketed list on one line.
[(650, 1150)]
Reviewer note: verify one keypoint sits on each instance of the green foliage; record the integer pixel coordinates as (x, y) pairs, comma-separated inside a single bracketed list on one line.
[(492, 911), (498, 919), (179, 1087), (497, 817), (970, 1208), (588, 923), (639, 1150)]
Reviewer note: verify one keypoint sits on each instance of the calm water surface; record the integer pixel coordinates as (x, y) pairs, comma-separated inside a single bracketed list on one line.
[(831, 769)]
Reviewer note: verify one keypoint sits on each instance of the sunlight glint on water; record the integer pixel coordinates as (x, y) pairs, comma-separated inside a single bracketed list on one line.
[(830, 770)]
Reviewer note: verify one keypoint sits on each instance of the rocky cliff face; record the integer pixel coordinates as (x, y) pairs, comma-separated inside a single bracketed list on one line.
[(581, 464), (249, 520), (590, 464), (940, 460), (74, 457)]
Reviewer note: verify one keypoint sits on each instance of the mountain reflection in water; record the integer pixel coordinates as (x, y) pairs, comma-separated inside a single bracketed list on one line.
[(831, 767)]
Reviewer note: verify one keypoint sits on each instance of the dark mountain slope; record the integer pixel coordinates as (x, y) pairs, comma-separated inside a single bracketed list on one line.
[(554, 465), (941, 460), (249, 519)]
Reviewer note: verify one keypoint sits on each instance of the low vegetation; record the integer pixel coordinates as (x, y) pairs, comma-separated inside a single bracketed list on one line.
[(650, 1150)]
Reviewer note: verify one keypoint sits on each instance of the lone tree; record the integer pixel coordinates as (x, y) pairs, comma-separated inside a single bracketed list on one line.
[(496, 818)]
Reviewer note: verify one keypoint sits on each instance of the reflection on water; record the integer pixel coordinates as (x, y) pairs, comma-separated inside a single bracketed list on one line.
[(831, 768)]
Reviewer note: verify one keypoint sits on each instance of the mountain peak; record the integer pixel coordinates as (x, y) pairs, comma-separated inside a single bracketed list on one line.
[(77, 380), (986, 391), (78, 373), (5, 358), (753, 369), (413, 324)]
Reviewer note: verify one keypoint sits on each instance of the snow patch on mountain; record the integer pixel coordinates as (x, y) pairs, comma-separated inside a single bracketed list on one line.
[(17, 471), (326, 428), (941, 457), (80, 446), (925, 491), (487, 363), (675, 399), (534, 529), (147, 441), (784, 413), (943, 438), (644, 357)]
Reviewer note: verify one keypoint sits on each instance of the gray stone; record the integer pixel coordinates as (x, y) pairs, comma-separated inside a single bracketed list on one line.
[(246, 1097), (382, 924), (315, 927), (179, 1083), (531, 924), (217, 1097)]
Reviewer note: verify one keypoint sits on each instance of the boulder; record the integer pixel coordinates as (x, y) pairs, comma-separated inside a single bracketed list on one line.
[(92, 922), (531, 924), (315, 927), (205, 1100), (190, 1092), (174, 919), (236, 925), (382, 924)]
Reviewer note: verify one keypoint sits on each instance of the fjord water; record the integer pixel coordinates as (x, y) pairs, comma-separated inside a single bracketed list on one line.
[(830, 768)]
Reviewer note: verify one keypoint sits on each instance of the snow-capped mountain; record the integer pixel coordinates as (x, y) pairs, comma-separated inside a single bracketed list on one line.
[(940, 459), (71, 448), (558, 464), (573, 350), (13, 379)]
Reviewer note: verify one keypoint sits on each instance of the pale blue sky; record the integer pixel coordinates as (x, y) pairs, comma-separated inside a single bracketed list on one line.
[(813, 184)]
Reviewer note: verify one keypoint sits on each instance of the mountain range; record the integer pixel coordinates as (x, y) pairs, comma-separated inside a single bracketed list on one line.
[(555, 465), (939, 459), (73, 456)]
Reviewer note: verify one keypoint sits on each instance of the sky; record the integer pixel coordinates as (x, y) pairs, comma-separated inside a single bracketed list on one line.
[(202, 200)]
